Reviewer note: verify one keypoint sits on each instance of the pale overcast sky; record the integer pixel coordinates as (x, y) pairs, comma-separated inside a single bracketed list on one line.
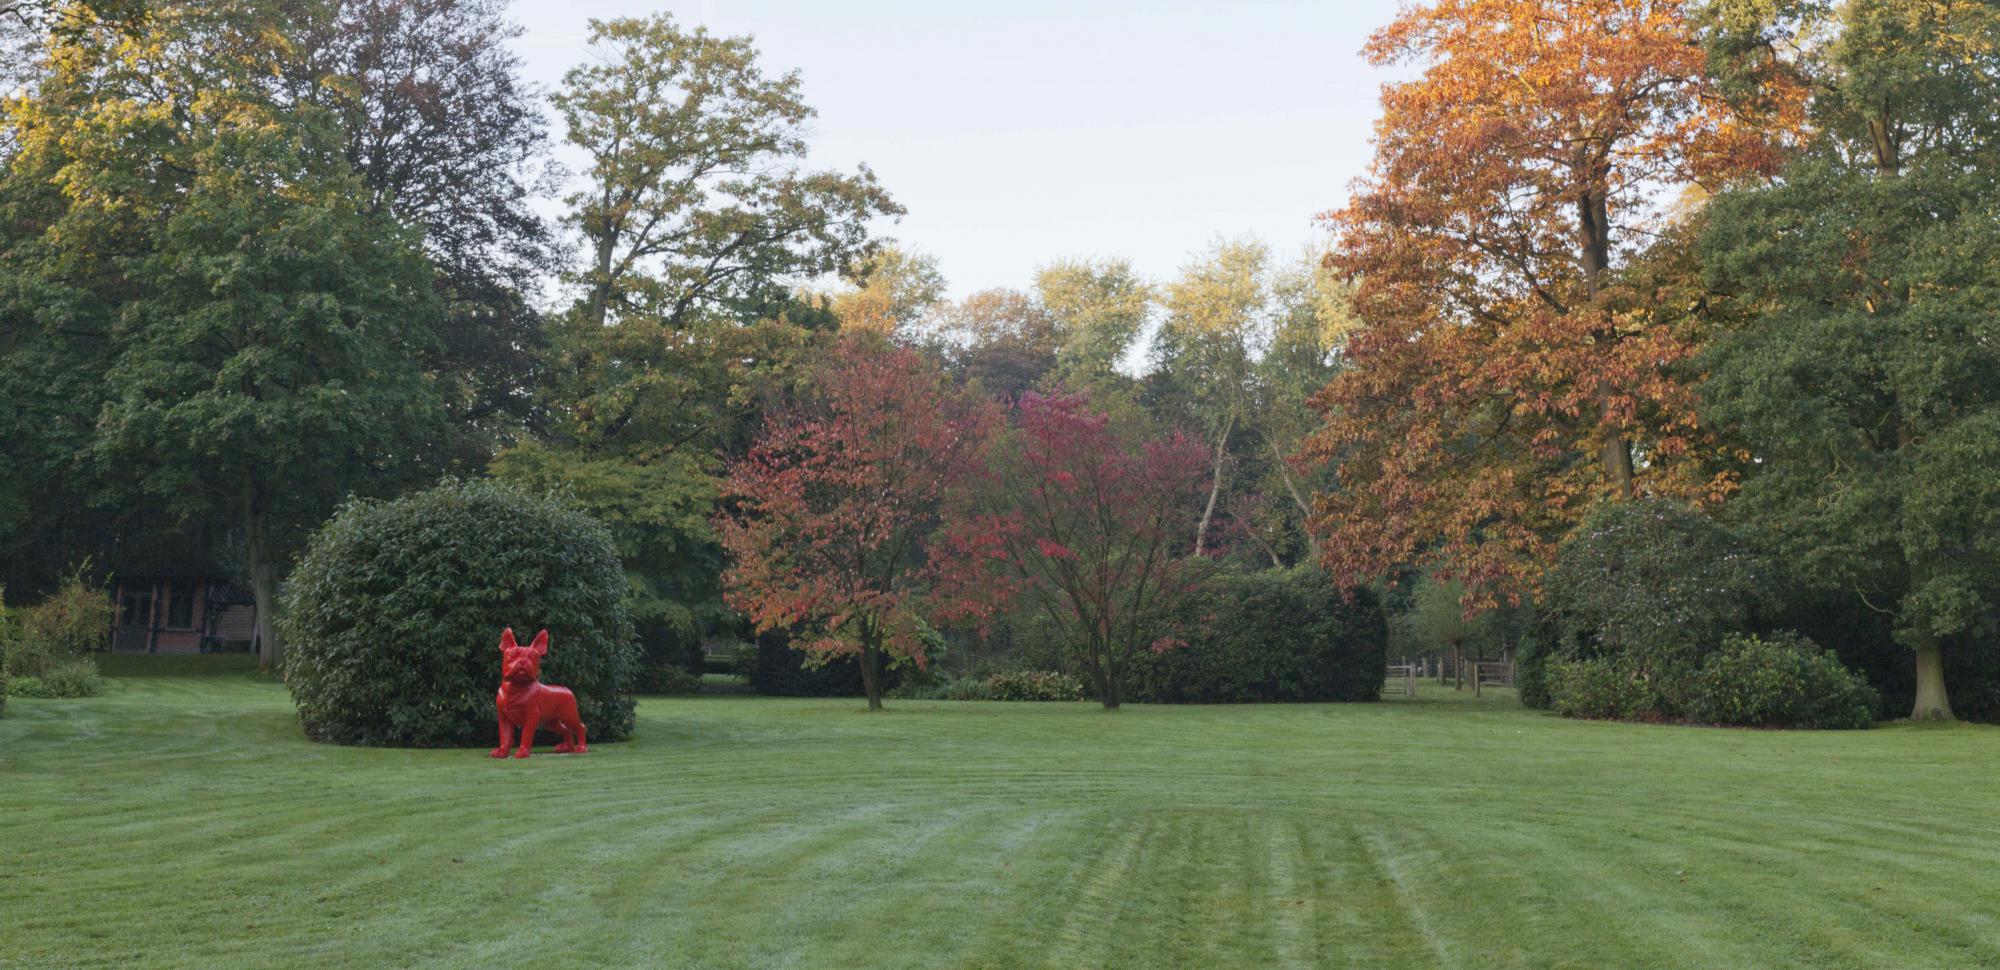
[(1019, 133)]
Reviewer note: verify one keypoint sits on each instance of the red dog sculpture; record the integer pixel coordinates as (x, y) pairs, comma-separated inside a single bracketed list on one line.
[(525, 702)]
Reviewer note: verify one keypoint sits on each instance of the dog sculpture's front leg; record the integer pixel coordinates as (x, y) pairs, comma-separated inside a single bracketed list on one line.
[(506, 738), (528, 735)]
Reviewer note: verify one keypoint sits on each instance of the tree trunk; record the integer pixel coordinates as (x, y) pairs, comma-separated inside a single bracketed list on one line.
[(1618, 466), (1215, 486), (607, 249), (871, 673), (1109, 695), (1594, 240), (263, 570), (1932, 705), (1298, 499)]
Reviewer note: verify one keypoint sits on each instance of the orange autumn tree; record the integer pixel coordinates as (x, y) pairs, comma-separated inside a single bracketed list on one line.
[(1521, 329)]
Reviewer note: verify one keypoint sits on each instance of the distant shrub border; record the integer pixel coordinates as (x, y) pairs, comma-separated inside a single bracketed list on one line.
[(777, 670), (1273, 635), (391, 622)]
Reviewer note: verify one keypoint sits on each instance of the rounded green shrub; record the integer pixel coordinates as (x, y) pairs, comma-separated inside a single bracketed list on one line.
[(1653, 583), (1600, 688), (392, 620), (1783, 680)]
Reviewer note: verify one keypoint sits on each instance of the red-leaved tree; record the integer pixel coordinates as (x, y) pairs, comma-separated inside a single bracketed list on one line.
[(1093, 513), (850, 522)]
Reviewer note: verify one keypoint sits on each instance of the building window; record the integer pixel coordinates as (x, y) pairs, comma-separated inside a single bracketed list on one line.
[(180, 606)]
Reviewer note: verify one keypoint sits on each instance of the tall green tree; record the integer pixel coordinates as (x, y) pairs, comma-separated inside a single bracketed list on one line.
[(695, 196), (1100, 307), (260, 331), (701, 224), (444, 135), (1866, 376), (1215, 325)]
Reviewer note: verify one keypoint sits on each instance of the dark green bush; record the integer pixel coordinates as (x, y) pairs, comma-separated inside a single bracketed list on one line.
[(780, 671), (1531, 666), (1276, 635), (667, 678), (392, 620), (27, 687), (1784, 680), (1652, 583), (1033, 685), (1597, 688), (967, 688)]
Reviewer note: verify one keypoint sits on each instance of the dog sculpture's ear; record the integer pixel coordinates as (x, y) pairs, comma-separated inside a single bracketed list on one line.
[(541, 644), (507, 640)]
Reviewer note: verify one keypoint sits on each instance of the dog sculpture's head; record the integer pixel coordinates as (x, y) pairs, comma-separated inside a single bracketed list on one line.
[(519, 664)]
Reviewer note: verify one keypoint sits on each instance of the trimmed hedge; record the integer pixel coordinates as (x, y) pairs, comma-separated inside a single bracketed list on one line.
[(1276, 635), (392, 619), (1784, 680)]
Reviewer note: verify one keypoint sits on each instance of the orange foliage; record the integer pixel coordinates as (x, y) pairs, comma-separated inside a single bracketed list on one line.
[(1523, 312)]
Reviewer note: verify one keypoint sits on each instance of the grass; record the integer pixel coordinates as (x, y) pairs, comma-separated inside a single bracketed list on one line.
[(180, 820)]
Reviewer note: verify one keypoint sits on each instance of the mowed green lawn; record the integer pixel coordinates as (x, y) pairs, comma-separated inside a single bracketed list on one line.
[(182, 821)]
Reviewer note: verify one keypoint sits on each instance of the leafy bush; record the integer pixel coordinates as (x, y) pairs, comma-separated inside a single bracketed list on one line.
[(1653, 583), (967, 688), (1599, 688), (51, 641), (1784, 680), (392, 619), (76, 677), (667, 678), (1276, 635), (1531, 665), (1033, 685)]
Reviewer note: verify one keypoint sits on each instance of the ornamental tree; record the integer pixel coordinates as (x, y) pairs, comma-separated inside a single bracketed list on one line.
[(1516, 362), (850, 522), (1096, 518)]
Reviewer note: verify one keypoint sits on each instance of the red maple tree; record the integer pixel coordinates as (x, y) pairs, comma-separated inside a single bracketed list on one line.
[(1513, 257), (1092, 517), (850, 522)]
